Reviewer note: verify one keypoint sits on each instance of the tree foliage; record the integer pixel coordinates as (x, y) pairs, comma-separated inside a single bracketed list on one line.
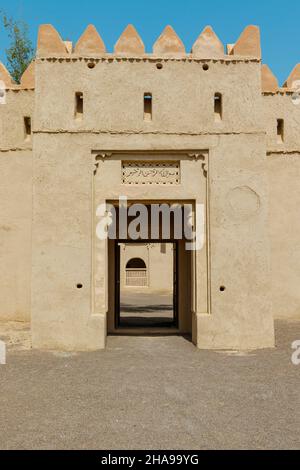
[(21, 52)]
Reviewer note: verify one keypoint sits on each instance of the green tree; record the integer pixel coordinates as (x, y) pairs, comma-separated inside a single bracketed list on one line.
[(21, 52)]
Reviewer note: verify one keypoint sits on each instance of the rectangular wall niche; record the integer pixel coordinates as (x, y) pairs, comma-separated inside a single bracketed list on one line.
[(151, 173), (280, 131), (218, 111), (27, 128), (148, 107), (78, 105)]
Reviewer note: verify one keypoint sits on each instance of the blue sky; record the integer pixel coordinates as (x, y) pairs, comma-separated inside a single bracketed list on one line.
[(279, 22)]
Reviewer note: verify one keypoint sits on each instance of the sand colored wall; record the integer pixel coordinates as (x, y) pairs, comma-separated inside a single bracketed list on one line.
[(239, 246), (62, 246), (281, 106), (15, 235), (284, 229), (161, 268), (113, 94), (15, 206), (284, 226), (19, 103)]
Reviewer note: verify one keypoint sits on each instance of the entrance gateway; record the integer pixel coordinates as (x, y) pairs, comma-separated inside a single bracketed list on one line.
[(157, 298), (147, 179), (146, 271)]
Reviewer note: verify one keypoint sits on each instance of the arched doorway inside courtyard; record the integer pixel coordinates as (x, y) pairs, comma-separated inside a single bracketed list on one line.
[(136, 273)]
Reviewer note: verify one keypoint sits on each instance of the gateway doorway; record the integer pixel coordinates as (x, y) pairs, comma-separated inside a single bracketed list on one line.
[(146, 285)]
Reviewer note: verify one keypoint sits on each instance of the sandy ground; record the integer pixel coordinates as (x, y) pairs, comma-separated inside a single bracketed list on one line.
[(150, 393)]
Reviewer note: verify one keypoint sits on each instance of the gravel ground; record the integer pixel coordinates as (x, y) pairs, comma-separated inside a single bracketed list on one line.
[(151, 393)]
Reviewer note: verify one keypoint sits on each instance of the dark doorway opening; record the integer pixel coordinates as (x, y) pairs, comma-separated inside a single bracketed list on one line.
[(146, 284)]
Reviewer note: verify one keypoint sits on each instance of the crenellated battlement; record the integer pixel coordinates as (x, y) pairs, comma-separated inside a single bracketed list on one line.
[(168, 47), (207, 45), (27, 80), (186, 88)]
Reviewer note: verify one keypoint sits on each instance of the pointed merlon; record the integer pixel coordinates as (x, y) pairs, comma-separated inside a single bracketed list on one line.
[(208, 45), (269, 82), (130, 42), (90, 42), (169, 43), (293, 80), (5, 76), (50, 42), (28, 77), (248, 43)]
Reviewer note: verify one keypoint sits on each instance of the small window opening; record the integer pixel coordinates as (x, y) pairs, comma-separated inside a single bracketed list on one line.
[(218, 107), (148, 107), (280, 131), (78, 105), (205, 67), (27, 128)]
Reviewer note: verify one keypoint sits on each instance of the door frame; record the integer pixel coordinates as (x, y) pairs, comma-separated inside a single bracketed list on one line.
[(117, 284)]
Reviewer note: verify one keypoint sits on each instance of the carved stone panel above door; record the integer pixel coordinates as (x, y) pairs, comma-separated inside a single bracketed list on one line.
[(151, 173)]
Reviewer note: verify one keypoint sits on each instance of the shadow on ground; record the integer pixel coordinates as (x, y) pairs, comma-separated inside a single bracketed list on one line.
[(125, 308)]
